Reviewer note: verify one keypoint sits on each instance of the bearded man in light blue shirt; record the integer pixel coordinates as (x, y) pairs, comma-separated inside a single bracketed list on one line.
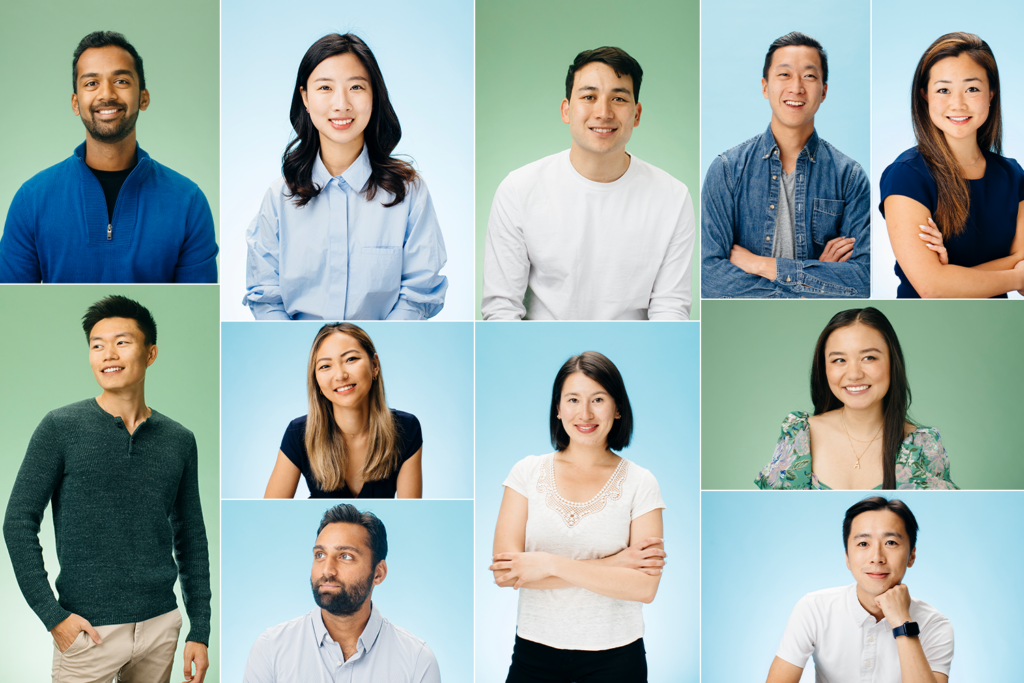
[(345, 638)]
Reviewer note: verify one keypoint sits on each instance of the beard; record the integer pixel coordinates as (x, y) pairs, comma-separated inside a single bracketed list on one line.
[(347, 600), (111, 132)]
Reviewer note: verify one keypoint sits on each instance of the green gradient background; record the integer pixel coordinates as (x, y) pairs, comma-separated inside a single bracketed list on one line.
[(964, 363), (179, 43), (523, 50), (47, 366)]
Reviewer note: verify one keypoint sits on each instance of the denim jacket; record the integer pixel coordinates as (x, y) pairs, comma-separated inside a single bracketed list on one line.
[(738, 206)]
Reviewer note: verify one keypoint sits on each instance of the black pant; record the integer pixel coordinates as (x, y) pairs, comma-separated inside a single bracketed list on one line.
[(532, 662)]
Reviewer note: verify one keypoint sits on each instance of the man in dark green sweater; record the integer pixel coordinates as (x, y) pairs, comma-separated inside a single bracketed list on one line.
[(123, 483)]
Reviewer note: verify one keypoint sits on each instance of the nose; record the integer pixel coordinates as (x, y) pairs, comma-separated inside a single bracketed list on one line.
[(588, 410), (105, 92), (854, 370), (340, 101), (957, 100), (877, 556), (602, 108)]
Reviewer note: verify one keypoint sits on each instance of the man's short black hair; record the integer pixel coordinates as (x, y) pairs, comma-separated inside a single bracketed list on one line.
[(105, 39), (348, 514), (118, 306), (879, 503), (615, 57), (796, 38)]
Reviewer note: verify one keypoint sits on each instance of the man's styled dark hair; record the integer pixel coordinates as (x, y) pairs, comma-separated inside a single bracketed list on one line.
[(598, 368), (796, 38), (615, 57), (118, 306), (878, 503), (106, 39), (348, 514)]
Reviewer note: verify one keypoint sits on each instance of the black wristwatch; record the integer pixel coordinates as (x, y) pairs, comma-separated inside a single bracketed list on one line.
[(910, 628)]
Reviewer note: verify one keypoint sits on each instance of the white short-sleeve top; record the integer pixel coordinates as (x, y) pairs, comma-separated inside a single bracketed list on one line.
[(575, 618)]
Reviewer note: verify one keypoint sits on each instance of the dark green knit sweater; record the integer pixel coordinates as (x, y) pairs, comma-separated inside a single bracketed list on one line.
[(125, 507)]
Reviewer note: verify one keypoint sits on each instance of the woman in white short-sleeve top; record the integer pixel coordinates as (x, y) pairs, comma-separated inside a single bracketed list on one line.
[(579, 532)]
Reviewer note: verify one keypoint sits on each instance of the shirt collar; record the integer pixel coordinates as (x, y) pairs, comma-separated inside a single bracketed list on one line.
[(768, 144), (366, 639), (859, 614), (139, 152), (355, 176)]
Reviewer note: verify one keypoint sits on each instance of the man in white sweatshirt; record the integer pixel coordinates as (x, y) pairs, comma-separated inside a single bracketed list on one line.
[(594, 232)]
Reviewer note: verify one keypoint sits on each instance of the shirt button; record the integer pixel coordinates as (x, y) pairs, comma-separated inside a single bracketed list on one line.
[(771, 206), (776, 152), (871, 639), (775, 177), (767, 239), (787, 280), (339, 663), (867, 664)]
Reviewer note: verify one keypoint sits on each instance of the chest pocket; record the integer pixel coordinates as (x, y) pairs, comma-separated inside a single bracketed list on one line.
[(379, 268), (825, 219)]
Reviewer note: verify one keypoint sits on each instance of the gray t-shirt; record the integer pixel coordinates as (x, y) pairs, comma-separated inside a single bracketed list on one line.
[(785, 223)]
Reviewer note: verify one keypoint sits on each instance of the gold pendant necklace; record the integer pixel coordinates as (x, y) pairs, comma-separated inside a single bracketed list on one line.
[(842, 418)]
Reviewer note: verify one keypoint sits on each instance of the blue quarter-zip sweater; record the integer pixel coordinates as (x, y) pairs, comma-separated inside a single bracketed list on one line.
[(57, 228)]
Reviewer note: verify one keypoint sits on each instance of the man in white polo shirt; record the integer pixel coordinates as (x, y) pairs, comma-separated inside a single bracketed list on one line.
[(871, 631), (594, 232)]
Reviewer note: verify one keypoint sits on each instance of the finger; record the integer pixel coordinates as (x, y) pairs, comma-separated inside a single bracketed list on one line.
[(93, 633), (844, 249), (518, 584), (504, 556), (929, 238), (845, 258), (649, 541)]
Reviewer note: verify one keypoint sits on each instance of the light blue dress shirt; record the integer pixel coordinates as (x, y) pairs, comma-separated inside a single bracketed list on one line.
[(341, 257), (302, 650)]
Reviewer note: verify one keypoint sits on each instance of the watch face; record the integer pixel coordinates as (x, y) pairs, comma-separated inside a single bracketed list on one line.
[(912, 628)]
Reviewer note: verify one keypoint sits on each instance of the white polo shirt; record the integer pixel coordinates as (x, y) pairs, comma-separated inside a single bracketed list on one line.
[(849, 646)]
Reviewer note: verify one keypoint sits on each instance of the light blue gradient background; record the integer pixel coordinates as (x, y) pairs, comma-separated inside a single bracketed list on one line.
[(735, 35), (425, 51), (428, 371), (762, 552), (516, 365), (267, 554), (902, 31)]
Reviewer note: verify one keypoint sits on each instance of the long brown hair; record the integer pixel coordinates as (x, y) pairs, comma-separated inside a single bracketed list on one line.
[(954, 196), (895, 404), (325, 443)]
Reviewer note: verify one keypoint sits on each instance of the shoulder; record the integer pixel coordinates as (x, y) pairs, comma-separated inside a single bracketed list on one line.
[(170, 428), (796, 422), (911, 163), (1009, 166), (639, 474), (927, 616), (403, 638), (741, 152), (530, 465), (407, 422), (170, 178), (536, 171), (841, 162), (48, 178), (790, 466), (826, 597), (283, 635), (297, 426)]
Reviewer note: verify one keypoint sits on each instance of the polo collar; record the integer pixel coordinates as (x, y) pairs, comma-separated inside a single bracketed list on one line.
[(355, 176), (857, 611), (769, 146)]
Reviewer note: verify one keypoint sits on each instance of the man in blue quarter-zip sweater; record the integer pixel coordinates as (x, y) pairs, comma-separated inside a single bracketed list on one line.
[(108, 213), (123, 484)]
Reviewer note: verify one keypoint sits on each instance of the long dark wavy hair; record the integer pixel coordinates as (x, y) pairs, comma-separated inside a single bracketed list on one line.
[(954, 197), (895, 403), (380, 137)]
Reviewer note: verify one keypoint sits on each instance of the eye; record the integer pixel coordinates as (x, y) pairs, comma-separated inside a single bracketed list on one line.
[(358, 87), (324, 87), (570, 400), (588, 97), (351, 358), (973, 89), (942, 91), (323, 367), (599, 399), (318, 555), (811, 76), (347, 556)]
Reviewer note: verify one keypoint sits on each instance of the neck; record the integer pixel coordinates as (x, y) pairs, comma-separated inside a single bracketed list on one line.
[(338, 158), (868, 603), (106, 156), (345, 629), (127, 404), (588, 456), (791, 141), (353, 422), (600, 168), (864, 424), (966, 151)]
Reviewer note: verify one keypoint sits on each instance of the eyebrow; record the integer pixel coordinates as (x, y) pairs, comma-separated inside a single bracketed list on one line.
[(115, 336), (784, 65), (966, 80), (343, 353), (884, 534), (331, 80), (594, 88), (337, 547), (119, 72), (870, 348), (577, 393)]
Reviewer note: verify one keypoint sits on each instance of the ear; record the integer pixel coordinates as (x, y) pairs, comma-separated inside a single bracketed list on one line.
[(617, 416), (824, 91), (848, 561), (153, 350), (305, 97), (636, 120), (565, 111), (380, 573), (913, 556), (764, 87), (143, 100), (74, 104)]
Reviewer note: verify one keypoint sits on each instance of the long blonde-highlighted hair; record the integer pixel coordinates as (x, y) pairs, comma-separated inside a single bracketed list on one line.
[(325, 443), (954, 192)]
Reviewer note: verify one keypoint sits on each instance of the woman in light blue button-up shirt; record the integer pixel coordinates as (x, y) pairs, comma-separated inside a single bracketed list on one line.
[(348, 232)]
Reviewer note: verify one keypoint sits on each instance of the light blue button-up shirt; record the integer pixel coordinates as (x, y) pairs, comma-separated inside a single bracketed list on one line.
[(341, 257), (302, 650)]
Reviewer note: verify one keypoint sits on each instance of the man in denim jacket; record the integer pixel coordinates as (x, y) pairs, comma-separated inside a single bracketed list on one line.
[(785, 214)]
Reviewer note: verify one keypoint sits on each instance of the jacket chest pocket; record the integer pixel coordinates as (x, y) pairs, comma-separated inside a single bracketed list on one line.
[(825, 219)]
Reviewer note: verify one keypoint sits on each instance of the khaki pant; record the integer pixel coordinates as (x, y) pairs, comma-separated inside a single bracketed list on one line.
[(142, 652)]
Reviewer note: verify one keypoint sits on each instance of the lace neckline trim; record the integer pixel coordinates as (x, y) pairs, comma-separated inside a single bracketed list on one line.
[(571, 512)]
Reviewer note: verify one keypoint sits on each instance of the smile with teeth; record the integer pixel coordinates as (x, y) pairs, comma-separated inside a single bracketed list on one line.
[(107, 371), (604, 131), (586, 428), (341, 123), (794, 103), (857, 388), (345, 389), (958, 119)]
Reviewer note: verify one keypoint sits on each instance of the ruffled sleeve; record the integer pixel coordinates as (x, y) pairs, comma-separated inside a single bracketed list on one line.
[(790, 467), (922, 462)]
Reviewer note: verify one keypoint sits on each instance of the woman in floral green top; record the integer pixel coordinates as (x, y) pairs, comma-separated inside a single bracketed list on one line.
[(860, 433)]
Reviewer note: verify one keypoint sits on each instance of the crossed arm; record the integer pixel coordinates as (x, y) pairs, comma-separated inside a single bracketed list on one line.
[(631, 574), (931, 278)]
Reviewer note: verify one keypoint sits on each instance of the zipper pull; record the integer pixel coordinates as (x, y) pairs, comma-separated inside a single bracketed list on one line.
[(110, 231)]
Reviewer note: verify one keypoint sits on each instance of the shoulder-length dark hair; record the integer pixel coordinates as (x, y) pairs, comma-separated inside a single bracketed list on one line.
[(598, 368), (954, 197), (325, 443), (380, 137), (895, 403)]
